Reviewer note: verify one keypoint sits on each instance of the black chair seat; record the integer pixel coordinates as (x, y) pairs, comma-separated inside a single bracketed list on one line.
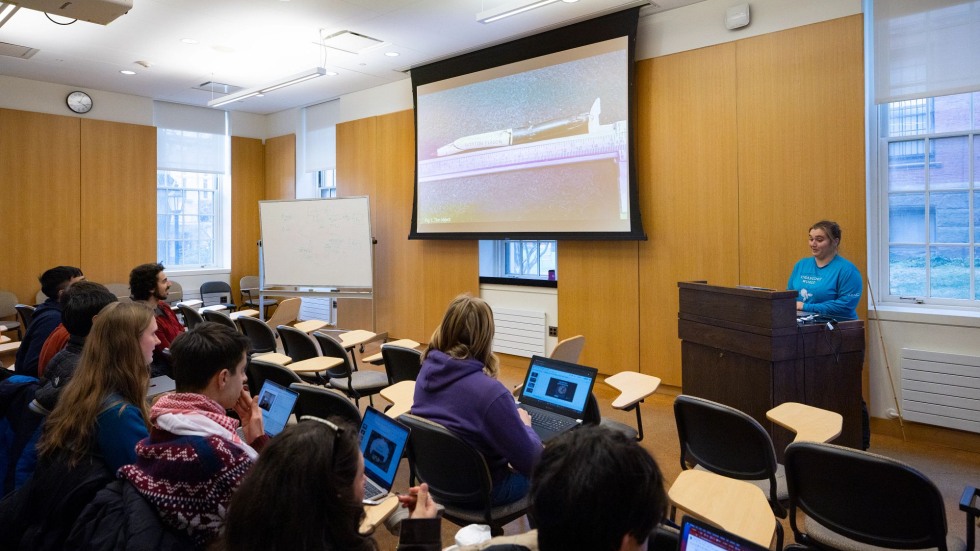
[(324, 403), (364, 383), (259, 333)]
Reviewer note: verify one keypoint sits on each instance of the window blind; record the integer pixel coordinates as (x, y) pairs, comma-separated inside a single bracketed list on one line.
[(925, 48)]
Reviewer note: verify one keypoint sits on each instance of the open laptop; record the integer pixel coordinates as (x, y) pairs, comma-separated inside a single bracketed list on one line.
[(277, 403), (700, 536), (555, 393), (383, 442), (160, 385)]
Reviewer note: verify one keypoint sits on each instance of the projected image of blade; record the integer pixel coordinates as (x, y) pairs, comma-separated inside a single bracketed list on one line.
[(556, 128)]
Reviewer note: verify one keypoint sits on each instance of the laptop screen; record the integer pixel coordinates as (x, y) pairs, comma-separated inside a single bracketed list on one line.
[(383, 442), (276, 403), (558, 386), (700, 536)]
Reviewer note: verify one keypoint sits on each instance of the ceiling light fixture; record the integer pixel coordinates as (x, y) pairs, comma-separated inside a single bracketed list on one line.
[(265, 88), (127, 72), (509, 9), (7, 11)]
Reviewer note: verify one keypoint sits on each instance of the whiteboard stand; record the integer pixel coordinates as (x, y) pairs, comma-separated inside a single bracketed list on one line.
[(316, 247)]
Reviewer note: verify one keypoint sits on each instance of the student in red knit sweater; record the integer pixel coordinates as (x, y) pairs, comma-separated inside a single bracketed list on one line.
[(193, 459)]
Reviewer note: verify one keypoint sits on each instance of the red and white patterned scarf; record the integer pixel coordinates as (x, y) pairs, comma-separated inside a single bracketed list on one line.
[(189, 414)]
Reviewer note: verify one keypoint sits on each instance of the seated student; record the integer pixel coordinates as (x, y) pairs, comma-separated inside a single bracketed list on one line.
[(23, 410), (82, 301), (46, 317), (91, 432), (595, 489), (194, 459), (311, 480), (457, 387), (149, 284)]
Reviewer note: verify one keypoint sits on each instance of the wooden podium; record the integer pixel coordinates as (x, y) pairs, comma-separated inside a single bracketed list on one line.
[(744, 348)]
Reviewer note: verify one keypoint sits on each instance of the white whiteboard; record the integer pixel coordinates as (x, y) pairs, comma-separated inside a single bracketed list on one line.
[(317, 242)]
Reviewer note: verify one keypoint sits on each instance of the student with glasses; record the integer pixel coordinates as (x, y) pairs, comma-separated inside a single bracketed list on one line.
[(305, 493)]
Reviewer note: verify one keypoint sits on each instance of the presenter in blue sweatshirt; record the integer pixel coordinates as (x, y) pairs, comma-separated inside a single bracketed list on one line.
[(827, 283)]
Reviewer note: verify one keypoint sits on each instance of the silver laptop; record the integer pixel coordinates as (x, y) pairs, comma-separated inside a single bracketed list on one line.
[(160, 385), (383, 441), (556, 394)]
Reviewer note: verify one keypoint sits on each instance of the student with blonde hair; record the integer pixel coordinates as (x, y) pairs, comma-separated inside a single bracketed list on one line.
[(458, 388)]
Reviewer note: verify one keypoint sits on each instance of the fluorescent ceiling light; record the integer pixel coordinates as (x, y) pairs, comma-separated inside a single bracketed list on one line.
[(7, 11), (509, 9), (281, 83)]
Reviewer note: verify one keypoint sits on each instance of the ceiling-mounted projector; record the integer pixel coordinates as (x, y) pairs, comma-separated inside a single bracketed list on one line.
[(102, 12)]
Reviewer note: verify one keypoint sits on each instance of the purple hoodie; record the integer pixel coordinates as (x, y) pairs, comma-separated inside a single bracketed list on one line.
[(459, 396)]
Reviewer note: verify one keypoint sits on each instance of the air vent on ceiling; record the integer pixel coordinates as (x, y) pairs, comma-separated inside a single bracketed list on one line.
[(217, 87), (349, 42), (18, 51)]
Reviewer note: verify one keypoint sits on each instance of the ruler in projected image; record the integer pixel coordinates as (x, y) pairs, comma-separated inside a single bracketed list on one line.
[(609, 142)]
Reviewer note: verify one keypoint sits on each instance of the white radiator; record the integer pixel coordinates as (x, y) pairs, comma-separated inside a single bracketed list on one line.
[(519, 332), (941, 389), (313, 308)]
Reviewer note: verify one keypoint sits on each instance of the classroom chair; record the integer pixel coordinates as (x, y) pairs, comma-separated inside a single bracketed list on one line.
[(457, 475), (192, 318), (258, 371), (345, 378), (262, 336), (26, 313), (843, 498), (209, 290), (218, 316), (401, 364), (324, 403), (249, 288), (726, 441), (8, 301)]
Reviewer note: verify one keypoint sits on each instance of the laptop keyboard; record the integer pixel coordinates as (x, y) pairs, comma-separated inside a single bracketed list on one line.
[(372, 490), (551, 422)]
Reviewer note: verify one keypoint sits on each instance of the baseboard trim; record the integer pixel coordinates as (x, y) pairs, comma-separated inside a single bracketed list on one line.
[(927, 434)]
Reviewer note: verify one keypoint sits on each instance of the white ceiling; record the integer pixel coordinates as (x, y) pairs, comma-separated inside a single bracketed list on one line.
[(247, 43)]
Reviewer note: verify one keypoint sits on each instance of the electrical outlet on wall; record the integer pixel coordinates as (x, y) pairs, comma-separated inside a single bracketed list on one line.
[(552, 331)]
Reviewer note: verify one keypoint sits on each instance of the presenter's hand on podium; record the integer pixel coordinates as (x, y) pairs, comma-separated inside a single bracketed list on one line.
[(525, 416), (799, 306)]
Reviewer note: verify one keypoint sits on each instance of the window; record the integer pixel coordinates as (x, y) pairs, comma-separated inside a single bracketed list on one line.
[(325, 183), (187, 218), (519, 258), (193, 202), (930, 163)]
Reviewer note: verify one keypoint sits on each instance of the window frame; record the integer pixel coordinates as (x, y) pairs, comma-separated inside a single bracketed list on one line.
[(879, 148)]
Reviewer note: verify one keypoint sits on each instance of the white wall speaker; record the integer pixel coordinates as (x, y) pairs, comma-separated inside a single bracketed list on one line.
[(737, 17)]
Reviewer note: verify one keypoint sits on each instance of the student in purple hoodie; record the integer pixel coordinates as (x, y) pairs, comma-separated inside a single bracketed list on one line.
[(458, 388)]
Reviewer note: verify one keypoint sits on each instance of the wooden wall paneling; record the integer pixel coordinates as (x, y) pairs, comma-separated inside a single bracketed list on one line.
[(247, 189), (398, 261), (688, 172), (119, 199), (801, 145), (598, 286), (40, 172), (358, 156), (280, 167), (448, 269)]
